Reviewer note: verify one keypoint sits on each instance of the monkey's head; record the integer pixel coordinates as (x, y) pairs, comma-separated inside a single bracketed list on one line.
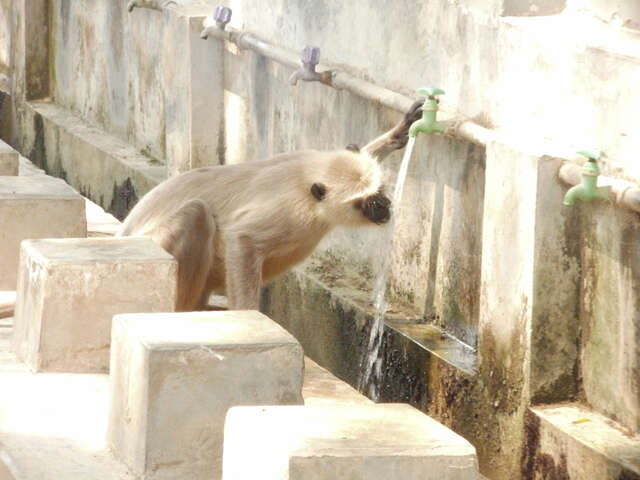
[(349, 190)]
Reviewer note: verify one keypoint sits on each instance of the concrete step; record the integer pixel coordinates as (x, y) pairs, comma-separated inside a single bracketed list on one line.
[(571, 441), (99, 224), (383, 441), (54, 425), (35, 206), (69, 290), (175, 375)]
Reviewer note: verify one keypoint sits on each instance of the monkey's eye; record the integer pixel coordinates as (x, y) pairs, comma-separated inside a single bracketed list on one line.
[(352, 147), (318, 190)]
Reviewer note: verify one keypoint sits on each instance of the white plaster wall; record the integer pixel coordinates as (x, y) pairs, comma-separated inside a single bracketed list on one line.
[(566, 77), (107, 67), (5, 37)]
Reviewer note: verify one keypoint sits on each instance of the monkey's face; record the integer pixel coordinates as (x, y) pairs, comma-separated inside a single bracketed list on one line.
[(376, 208), (351, 192)]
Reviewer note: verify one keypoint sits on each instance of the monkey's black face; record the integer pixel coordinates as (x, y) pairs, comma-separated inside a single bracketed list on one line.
[(376, 208)]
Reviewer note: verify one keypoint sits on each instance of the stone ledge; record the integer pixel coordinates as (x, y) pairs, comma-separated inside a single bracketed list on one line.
[(104, 168), (571, 440), (333, 327)]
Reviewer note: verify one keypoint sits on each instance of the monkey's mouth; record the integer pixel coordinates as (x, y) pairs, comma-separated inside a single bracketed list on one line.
[(377, 208)]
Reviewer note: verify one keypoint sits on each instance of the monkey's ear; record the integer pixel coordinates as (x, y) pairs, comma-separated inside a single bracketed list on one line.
[(352, 147), (318, 190)]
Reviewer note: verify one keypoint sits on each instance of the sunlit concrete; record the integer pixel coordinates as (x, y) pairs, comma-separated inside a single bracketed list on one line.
[(174, 376), (372, 442), (69, 289)]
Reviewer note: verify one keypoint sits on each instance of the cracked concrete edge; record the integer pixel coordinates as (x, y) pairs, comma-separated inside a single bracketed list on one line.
[(8, 468)]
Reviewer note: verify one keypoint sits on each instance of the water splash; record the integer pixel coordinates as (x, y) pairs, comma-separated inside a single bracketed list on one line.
[(372, 368)]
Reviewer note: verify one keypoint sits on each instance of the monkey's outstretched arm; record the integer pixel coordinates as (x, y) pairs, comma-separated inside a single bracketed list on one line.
[(397, 137), (243, 273)]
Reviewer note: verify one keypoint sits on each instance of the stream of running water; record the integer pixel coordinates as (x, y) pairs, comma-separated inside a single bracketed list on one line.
[(372, 367)]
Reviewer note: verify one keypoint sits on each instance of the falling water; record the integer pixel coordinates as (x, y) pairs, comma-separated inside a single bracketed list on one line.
[(373, 363)]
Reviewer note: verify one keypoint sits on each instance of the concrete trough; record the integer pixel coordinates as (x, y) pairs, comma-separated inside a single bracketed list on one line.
[(33, 207), (174, 376), (69, 290), (358, 442)]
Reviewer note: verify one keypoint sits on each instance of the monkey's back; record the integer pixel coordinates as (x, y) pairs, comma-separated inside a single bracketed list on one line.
[(225, 189)]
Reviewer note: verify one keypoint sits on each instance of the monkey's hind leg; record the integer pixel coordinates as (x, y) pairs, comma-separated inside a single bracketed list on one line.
[(188, 235)]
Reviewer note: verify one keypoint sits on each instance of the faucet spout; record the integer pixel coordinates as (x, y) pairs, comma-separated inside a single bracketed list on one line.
[(207, 30), (307, 72), (586, 192), (426, 126)]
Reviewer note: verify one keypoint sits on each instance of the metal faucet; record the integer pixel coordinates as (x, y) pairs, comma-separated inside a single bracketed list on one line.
[(428, 123), (588, 189), (222, 16), (310, 58)]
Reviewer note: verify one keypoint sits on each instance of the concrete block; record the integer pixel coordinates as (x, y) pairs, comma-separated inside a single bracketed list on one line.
[(69, 290), (174, 376), (370, 442), (35, 207), (570, 440), (8, 160)]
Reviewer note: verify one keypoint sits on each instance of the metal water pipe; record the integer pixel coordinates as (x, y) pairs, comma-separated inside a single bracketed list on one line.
[(340, 80), (153, 4)]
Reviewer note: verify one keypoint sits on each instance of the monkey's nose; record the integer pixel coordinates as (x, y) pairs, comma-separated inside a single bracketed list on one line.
[(384, 217), (377, 209)]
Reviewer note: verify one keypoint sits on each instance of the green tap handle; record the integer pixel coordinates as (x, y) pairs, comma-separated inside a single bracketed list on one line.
[(594, 157), (430, 91)]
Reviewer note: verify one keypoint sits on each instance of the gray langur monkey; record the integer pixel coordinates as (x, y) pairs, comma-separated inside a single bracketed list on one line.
[(233, 228)]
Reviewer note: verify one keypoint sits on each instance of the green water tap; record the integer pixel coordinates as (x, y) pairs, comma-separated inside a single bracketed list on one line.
[(428, 123), (588, 189)]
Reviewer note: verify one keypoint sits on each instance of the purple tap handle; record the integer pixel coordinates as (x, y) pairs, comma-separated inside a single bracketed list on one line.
[(311, 55), (222, 14)]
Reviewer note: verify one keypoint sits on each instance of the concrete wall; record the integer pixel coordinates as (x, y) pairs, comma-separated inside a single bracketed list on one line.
[(610, 313), (111, 68), (107, 67), (535, 77), (5, 44)]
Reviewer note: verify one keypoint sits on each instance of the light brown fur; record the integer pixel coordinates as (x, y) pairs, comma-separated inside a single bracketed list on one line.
[(234, 227)]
